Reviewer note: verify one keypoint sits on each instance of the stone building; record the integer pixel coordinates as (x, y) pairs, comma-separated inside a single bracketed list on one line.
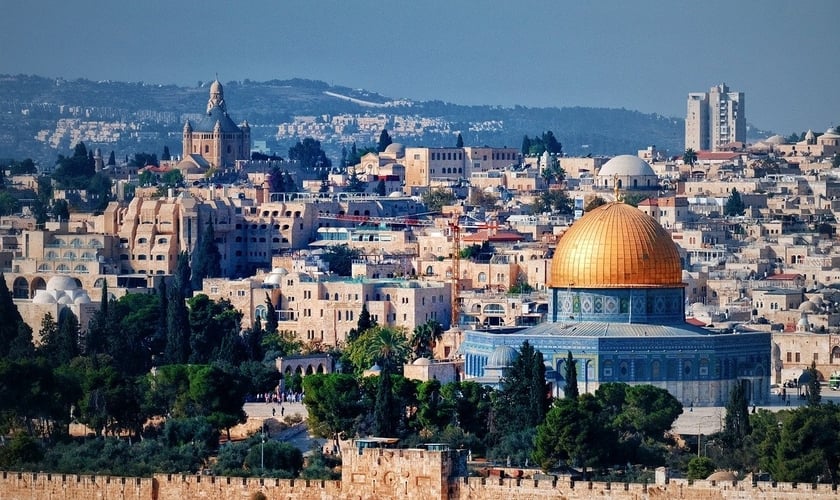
[(214, 140)]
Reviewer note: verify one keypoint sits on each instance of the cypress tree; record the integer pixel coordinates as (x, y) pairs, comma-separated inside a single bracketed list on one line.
[(571, 388), (459, 143), (207, 258), (177, 329), (270, 316), (10, 318)]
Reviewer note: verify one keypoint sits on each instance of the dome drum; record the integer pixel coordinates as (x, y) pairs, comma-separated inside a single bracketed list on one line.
[(653, 305)]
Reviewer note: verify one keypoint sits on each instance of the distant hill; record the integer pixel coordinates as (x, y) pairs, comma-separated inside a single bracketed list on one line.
[(42, 117)]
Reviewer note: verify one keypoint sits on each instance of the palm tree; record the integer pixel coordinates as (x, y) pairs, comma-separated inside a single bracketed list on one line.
[(387, 347), (690, 157), (425, 337)]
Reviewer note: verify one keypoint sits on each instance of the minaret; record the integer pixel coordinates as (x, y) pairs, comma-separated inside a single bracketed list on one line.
[(97, 160)]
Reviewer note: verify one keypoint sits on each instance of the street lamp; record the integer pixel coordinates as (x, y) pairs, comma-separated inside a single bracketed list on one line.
[(262, 449)]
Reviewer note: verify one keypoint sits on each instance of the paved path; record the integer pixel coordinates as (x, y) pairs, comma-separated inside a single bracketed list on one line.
[(296, 435), (710, 419)]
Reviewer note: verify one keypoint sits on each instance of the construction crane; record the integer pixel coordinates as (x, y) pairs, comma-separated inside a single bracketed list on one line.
[(455, 231), (368, 219)]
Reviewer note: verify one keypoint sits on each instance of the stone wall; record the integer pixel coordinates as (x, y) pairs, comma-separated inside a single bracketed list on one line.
[(407, 483), (29, 486)]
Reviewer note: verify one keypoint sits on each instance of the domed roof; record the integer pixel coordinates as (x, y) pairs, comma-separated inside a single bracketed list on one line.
[(616, 246), (807, 306), (61, 282), (216, 87), (722, 475), (43, 297), (775, 139), (396, 149), (275, 276), (626, 165), (422, 362), (503, 355)]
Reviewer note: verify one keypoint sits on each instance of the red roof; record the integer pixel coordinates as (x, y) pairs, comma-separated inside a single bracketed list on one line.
[(717, 155), (694, 321)]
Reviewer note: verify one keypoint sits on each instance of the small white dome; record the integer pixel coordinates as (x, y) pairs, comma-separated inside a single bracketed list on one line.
[(65, 300), (62, 283), (82, 299), (422, 362), (43, 297), (626, 165)]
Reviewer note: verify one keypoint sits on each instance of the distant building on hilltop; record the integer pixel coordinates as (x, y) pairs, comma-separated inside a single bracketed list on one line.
[(215, 140)]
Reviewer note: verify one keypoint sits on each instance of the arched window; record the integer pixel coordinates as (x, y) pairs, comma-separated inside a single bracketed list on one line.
[(482, 277), (20, 288), (429, 270), (494, 309), (81, 268)]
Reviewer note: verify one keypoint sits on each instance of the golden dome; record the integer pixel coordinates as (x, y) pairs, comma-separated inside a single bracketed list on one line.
[(616, 246)]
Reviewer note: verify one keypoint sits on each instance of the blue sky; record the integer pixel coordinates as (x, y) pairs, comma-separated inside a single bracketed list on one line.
[(644, 55)]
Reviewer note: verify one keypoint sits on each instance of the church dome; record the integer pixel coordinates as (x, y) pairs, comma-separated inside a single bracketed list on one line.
[(616, 246), (422, 362), (502, 356), (216, 87), (626, 165)]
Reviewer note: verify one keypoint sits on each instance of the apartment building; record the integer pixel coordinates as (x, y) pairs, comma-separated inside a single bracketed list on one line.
[(715, 119)]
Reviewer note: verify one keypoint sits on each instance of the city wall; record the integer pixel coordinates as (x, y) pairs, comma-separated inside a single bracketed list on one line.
[(376, 485)]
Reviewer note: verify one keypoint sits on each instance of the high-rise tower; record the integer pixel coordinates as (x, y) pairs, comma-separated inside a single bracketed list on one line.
[(714, 119)]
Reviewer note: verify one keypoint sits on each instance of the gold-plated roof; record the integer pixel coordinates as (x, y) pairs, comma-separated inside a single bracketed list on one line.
[(616, 246)]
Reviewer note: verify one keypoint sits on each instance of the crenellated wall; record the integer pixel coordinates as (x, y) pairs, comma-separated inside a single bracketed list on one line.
[(415, 474)]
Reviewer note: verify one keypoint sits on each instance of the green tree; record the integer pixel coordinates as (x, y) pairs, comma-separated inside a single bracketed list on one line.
[(570, 390), (436, 199), (813, 395), (553, 200), (734, 205), (459, 142), (736, 425), (340, 258), (212, 323), (572, 433), (12, 324), (166, 156), (808, 448), (309, 155), (112, 159), (177, 328), (206, 261), (61, 210), (523, 399), (700, 468), (434, 412), (381, 188), (333, 403), (384, 141), (526, 146), (363, 324), (355, 184), (282, 459), (9, 205)]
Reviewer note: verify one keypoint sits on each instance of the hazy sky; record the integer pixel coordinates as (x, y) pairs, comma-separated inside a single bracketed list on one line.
[(637, 54)]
